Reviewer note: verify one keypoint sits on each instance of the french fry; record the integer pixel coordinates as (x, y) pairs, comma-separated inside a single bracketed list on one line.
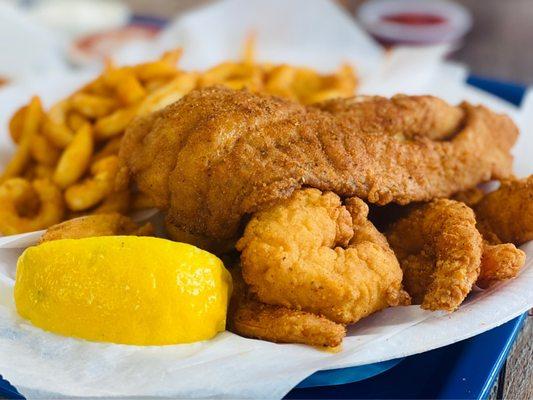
[(110, 148), (17, 197), (30, 127), (129, 90), (169, 93), (279, 81), (76, 120), (234, 75), (43, 151), (155, 70), (59, 134), (75, 159), (93, 106), (99, 85), (16, 123), (93, 190), (115, 123), (165, 68), (43, 171), (248, 56), (114, 202), (172, 57), (125, 84), (54, 125), (155, 84)]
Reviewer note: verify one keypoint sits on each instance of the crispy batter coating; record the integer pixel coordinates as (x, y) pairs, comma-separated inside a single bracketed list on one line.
[(506, 215), (439, 249), (218, 154), (312, 253), (499, 262), (470, 196), (251, 318), (96, 225)]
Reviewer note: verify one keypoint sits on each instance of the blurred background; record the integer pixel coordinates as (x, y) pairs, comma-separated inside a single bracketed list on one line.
[(496, 45), (492, 37)]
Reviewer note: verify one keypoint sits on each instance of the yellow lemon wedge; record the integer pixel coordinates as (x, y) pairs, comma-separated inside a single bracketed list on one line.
[(123, 289)]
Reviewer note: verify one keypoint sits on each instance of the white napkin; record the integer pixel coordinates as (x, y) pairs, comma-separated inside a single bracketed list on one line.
[(315, 33), (28, 49)]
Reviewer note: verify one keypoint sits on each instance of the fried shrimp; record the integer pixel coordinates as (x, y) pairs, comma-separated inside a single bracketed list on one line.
[(499, 262), (251, 318), (439, 249), (507, 213), (311, 253), (96, 225)]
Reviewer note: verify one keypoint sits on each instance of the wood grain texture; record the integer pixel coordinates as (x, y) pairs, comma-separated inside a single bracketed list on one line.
[(518, 382)]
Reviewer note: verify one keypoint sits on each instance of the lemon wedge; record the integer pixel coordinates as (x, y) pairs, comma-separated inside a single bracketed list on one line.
[(123, 289)]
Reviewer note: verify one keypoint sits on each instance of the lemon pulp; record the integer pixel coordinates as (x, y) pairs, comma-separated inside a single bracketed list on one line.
[(123, 289)]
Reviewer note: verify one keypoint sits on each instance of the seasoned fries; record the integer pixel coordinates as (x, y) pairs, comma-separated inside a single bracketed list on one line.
[(66, 160), (75, 159)]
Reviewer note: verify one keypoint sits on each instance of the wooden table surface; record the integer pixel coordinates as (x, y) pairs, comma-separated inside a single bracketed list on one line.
[(499, 46)]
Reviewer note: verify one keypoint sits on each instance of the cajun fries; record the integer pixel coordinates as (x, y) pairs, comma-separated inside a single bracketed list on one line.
[(66, 160)]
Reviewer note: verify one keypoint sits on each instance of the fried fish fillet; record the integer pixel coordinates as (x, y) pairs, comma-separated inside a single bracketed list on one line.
[(218, 154)]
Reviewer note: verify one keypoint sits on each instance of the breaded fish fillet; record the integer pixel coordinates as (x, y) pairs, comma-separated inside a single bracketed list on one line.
[(218, 154)]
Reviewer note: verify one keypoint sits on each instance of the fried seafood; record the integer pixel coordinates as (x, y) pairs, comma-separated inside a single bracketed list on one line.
[(506, 215), (439, 249), (96, 225), (249, 317), (499, 262), (470, 196), (313, 254), (217, 154)]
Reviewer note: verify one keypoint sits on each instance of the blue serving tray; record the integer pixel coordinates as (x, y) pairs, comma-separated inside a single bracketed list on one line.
[(466, 369)]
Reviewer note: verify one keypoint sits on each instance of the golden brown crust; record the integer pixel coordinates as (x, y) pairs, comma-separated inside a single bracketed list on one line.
[(96, 225), (219, 154), (506, 215), (312, 253), (439, 249), (470, 196), (251, 318), (499, 262)]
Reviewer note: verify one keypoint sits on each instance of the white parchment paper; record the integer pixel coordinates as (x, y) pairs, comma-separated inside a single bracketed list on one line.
[(314, 33)]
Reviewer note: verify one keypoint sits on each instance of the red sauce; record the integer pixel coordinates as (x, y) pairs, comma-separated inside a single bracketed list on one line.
[(414, 18)]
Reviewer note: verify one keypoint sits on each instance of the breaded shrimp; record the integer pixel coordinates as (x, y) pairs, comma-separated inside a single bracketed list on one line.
[(313, 254), (507, 213), (439, 249), (251, 318)]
